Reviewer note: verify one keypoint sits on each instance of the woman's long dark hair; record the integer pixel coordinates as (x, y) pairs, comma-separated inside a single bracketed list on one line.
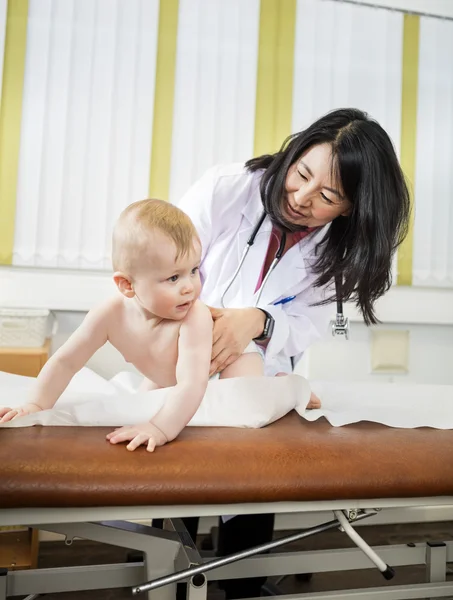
[(359, 248)]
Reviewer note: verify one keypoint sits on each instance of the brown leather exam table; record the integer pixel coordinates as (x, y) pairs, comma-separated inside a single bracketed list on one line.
[(71, 481)]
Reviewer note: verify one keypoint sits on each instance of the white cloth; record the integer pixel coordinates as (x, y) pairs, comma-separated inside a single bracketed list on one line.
[(394, 404), (250, 402), (225, 206), (90, 400)]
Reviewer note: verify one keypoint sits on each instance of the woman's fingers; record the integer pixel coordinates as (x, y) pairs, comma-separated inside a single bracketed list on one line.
[(220, 362)]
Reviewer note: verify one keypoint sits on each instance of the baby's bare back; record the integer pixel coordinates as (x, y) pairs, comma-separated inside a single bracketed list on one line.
[(151, 347)]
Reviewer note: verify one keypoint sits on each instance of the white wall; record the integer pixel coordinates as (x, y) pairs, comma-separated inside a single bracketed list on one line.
[(430, 356)]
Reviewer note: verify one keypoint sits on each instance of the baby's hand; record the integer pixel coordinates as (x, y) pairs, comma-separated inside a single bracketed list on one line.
[(143, 433), (8, 414)]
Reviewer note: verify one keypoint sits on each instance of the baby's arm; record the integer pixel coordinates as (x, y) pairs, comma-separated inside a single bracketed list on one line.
[(64, 364), (182, 400), (192, 373)]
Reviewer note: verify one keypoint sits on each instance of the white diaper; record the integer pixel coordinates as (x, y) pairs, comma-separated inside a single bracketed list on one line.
[(253, 347)]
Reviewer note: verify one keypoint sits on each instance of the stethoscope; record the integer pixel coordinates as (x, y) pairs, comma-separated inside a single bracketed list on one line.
[(341, 324)]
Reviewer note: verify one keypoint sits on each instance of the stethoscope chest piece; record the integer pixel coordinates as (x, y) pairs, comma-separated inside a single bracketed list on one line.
[(340, 326)]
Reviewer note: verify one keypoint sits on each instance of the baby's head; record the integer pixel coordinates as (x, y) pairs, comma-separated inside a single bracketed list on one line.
[(156, 255)]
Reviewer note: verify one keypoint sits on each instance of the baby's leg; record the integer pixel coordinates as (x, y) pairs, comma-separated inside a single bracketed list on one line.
[(247, 365), (314, 401)]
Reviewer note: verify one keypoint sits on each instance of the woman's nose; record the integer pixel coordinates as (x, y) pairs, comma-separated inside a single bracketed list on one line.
[(302, 198)]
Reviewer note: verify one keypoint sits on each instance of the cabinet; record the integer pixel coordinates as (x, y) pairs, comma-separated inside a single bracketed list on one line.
[(19, 546)]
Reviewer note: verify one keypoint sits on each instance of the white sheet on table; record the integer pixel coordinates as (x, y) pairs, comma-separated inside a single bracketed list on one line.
[(91, 400), (393, 404), (251, 402)]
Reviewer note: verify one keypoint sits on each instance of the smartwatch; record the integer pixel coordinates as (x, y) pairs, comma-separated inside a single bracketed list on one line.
[(267, 329)]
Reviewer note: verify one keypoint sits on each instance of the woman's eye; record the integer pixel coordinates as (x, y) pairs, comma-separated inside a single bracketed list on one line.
[(303, 176), (328, 200)]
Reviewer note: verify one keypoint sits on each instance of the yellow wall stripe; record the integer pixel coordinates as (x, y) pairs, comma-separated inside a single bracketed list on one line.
[(409, 134), (274, 92), (159, 177), (10, 121)]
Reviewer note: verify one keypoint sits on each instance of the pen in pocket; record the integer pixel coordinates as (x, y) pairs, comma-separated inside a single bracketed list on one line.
[(285, 300)]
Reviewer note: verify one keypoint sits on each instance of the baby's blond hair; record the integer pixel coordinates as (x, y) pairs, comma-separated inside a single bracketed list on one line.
[(138, 220)]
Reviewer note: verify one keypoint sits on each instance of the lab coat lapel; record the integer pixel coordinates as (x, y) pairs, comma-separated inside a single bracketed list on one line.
[(251, 269), (290, 275)]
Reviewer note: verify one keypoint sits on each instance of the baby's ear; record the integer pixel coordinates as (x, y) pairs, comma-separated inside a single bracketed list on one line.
[(123, 283)]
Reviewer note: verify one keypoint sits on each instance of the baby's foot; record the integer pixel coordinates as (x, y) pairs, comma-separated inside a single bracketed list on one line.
[(314, 401)]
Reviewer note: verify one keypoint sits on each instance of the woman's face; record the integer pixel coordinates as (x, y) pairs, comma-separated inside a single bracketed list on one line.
[(312, 199)]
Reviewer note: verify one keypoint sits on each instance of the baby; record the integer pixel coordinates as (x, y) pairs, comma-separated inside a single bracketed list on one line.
[(156, 322)]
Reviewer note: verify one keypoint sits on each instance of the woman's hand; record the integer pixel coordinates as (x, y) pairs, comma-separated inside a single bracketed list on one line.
[(234, 329)]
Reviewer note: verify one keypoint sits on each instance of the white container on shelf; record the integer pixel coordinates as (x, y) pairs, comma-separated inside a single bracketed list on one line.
[(25, 328)]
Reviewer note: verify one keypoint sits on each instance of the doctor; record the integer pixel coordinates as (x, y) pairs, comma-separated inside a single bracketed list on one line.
[(331, 203)]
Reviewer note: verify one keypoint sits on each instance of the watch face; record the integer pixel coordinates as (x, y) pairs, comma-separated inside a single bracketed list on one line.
[(268, 326)]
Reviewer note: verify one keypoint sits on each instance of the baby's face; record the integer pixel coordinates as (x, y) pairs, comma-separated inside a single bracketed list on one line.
[(167, 287)]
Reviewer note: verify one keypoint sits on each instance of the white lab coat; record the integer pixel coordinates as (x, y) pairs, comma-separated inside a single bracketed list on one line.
[(225, 205)]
